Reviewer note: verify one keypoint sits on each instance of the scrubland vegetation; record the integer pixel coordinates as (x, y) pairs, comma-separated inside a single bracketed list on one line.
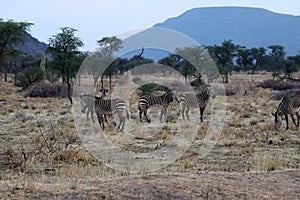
[(42, 153)]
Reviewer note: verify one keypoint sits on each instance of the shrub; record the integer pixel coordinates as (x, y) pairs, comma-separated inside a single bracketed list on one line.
[(29, 76), (46, 89), (279, 85), (148, 89), (278, 95), (229, 91)]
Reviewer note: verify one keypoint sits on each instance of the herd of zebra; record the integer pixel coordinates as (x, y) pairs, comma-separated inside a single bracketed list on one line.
[(102, 106)]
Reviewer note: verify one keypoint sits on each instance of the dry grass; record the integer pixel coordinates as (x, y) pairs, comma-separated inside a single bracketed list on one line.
[(248, 142)]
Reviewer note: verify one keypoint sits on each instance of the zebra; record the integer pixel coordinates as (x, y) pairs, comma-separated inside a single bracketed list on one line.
[(288, 105), (87, 102), (164, 100), (109, 106), (200, 100)]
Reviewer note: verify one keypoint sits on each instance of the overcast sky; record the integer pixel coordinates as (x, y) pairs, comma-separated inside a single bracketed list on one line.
[(95, 19)]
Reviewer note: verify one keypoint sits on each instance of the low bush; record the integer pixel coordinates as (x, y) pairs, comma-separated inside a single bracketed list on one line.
[(46, 89), (229, 91), (279, 85), (278, 95), (150, 88)]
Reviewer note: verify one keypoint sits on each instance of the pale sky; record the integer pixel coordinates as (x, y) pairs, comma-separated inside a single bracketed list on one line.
[(95, 19)]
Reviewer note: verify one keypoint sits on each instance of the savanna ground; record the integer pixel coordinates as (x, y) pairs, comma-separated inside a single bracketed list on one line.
[(42, 157)]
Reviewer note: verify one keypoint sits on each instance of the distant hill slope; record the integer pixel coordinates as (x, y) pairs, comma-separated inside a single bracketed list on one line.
[(252, 27), (32, 46)]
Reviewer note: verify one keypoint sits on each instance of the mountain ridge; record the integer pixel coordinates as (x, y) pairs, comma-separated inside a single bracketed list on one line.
[(248, 26)]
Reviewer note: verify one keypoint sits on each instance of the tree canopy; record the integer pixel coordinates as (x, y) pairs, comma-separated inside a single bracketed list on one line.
[(11, 34), (64, 48)]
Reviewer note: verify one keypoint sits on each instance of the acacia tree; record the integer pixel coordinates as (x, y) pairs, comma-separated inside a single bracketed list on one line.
[(223, 56), (106, 47), (201, 63), (11, 34), (64, 48), (291, 65), (258, 57), (276, 57), (244, 58)]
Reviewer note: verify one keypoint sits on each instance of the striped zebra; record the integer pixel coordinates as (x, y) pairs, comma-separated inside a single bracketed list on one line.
[(108, 107), (287, 106), (87, 102), (147, 101), (199, 100), (103, 107)]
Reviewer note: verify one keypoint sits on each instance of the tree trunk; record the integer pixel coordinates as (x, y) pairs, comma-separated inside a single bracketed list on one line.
[(102, 85), (15, 78), (69, 91), (110, 82), (5, 76), (226, 77)]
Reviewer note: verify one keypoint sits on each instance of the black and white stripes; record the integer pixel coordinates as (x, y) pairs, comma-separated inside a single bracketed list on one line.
[(147, 101), (287, 106), (104, 107), (188, 100), (110, 106)]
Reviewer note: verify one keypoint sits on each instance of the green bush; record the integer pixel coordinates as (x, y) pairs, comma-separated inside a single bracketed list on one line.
[(148, 89), (29, 76)]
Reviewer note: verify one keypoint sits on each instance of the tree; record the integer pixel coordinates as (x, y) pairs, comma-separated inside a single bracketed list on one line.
[(257, 57), (11, 34), (244, 59), (276, 57), (201, 64), (223, 56), (64, 50), (106, 47), (109, 45), (177, 62), (291, 65)]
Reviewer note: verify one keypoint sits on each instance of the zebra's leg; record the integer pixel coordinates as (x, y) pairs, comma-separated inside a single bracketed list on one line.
[(287, 122), (163, 112), (201, 113), (187, 112), (100, 120), (140, 112), (87, 115), (298, 118), (92, 116), (183, 106), (145, 114), (122, 122), (293, 118)]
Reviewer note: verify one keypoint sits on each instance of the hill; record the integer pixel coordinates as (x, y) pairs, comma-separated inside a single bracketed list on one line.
[(252, 27), (32, 46)]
